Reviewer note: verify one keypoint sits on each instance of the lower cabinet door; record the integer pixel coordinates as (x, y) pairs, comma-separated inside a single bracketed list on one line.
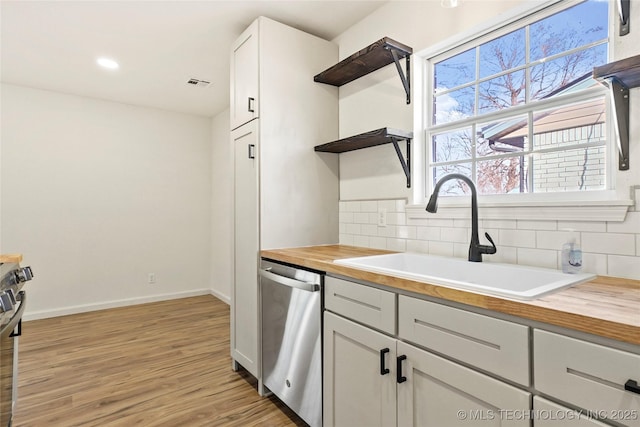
[(548, 414), (438, 392), (358, 392)]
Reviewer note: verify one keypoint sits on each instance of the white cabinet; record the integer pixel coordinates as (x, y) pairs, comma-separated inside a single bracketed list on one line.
[(587, 375), (550, 414), (244, 103), (372, 379), (355, 391), (287, 196), (493, 345), (438, 392), (373, 307), (244, 330)]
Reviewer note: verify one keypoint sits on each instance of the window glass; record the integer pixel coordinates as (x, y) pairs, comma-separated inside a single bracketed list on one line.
[(455, 71), (502, 54), (455, 105), (572, 28), (528, 122)]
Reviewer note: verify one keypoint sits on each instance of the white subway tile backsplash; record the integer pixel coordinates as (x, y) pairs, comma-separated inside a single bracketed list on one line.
[(352, 206), (592, 263), (361, 241), (396, 218), (353, 229), (406, 232), (389, 205), (516, 238), (369, 229), (503, 254), (624, 266), (378, 242), (428, 233), (440, 222), (505, 223), (361, 218), (456, 235), (462, 223), (538, 258), (388, 231), (461, 250), (608, 248), (554, 239), (419, 246), (537, 225), (631, 224), (369, 206), (399, 245), (609, 243), (346, 217), (345, 239), (401, 205), (441, 248), (597, 227)]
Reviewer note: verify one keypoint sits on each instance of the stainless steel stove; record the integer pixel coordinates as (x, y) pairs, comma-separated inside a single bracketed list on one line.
[(12, 304)]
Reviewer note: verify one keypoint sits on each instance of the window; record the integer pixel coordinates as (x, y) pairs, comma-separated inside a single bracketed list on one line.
[(517, 110)]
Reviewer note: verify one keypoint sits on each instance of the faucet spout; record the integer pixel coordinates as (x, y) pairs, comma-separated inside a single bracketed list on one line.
[(476, 250)]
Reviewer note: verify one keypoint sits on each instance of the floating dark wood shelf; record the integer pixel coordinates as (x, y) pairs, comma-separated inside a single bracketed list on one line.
[(627, 71), (373, 57), (619, 77), (372, 139)]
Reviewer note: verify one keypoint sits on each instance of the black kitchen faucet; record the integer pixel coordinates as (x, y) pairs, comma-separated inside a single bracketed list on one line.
[(475, 248)]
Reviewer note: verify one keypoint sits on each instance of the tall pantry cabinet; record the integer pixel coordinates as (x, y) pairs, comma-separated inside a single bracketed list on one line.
[(285, 194)]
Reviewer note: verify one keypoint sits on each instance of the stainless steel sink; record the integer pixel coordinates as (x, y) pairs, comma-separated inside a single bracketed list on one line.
[(504, 280)]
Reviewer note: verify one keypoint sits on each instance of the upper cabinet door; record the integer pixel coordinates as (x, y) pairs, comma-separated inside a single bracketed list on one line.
[(244, 103)]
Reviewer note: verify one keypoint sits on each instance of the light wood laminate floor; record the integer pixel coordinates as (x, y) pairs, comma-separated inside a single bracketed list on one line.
[(157, 364)]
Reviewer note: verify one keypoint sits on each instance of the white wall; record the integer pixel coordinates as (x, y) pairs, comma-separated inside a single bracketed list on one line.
[(98, 194), (372, 178), (221, 206), (378, 99)]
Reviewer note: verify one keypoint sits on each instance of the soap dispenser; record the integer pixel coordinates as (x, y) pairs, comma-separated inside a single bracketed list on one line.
[(571, 256)]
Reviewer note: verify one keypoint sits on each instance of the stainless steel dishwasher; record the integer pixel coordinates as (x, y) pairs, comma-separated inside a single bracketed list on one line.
[(291, 337)]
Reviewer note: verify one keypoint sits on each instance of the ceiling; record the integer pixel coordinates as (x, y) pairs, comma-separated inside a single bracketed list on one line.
[(160, 45)]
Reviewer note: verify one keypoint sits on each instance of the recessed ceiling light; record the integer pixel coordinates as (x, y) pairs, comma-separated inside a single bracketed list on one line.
[(108, 63), (449, 3)]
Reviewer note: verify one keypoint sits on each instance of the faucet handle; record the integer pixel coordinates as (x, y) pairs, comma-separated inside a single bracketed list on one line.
[(489, 249)]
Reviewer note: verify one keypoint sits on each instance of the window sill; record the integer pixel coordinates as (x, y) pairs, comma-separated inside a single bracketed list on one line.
[(567, 210)]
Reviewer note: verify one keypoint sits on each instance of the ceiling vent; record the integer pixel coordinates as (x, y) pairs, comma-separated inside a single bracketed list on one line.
[(197, 82)]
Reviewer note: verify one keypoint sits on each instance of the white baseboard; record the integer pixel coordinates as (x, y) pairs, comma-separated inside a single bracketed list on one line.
[(224, 298), (43, 314)]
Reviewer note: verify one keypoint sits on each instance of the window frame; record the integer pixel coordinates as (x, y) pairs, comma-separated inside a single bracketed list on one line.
[(518, 17)]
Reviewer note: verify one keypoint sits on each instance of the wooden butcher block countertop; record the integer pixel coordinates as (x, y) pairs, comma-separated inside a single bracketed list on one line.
[(10, 258), (605, 306)]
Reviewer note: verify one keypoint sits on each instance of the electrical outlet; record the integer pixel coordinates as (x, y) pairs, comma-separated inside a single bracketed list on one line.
[(382, 218), (152, 278)]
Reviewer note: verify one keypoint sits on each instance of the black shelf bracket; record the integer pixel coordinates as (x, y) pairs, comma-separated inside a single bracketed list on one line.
[(620, 96), (406, 164), (406, 79), (623, 10)]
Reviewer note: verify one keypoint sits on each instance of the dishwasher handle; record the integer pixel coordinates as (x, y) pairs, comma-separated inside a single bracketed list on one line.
[(292, 283)]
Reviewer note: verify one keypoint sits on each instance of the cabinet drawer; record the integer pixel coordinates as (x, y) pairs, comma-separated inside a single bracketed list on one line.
[(587, 375), (494, 345), (371, 306), (549, 414)]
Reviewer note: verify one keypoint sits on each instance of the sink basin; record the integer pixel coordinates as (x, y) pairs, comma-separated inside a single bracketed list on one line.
[(504, 280)]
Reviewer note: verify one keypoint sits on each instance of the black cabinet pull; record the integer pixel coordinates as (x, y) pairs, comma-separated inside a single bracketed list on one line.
[(632, 386), (250, 105), (252, 151), (399, 377), (383, 369)]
